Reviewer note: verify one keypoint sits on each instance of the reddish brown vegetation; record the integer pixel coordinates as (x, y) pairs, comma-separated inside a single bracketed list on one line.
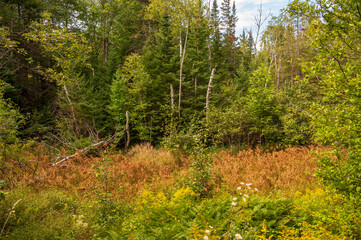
[(144, 166), (127, 175), (285, 169)]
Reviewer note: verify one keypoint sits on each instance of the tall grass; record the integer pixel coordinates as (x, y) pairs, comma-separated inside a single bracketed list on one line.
[(290, 169), (145, 166)]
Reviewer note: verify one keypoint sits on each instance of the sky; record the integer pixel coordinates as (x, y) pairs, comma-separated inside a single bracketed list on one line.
[(248, 9)]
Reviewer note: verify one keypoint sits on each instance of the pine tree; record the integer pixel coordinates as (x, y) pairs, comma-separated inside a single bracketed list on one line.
[(216, 38), (228, 23)]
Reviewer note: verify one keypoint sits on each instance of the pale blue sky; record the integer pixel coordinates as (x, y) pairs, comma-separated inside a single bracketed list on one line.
[(248, 9)]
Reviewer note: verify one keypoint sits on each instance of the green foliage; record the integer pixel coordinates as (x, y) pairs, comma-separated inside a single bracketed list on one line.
[(341, 172), (336, 70), (296, 119), (275, 213), (131, 91), (78, 70), (68, 50), (180, 214), (189, 138), (10, 145), (254, 117), (263, 107), (326, 209), (201, 179), (45, 215), (10, 119)]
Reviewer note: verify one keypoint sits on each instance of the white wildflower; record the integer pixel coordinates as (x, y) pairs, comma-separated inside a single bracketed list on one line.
[(244, 200), (207, 231), (240, 194), (245, 195), (205, 238), (238, 236), (256, 189), (234, 204), (239, 188), (235, 199), (210, 227), (242, 183)]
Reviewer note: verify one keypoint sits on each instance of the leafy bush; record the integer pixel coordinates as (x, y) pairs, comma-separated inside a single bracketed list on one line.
[(201, 179)]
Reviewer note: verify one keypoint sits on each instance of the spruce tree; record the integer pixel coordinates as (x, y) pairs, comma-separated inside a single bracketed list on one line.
[(162, 63), (228, 23), (216, 38), (197, 64)]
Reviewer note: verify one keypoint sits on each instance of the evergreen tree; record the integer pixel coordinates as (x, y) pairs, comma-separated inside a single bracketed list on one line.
[(197, 66), (131, 91), (162, 63), (246, 52), (216, 38), (229, 20)]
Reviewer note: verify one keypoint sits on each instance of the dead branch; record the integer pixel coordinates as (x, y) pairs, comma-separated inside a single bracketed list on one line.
[(85, 150)]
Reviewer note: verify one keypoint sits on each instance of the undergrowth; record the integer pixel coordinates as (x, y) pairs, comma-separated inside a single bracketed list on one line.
[(152, 193)]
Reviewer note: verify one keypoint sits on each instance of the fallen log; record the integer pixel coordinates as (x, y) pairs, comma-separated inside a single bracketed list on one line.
[(85, 150)]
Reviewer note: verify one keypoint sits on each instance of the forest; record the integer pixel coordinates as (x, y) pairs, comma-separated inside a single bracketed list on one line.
[(156, 119)]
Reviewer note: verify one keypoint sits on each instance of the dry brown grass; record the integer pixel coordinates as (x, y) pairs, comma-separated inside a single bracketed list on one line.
[(285, 169), (145, 166), (128, 174)]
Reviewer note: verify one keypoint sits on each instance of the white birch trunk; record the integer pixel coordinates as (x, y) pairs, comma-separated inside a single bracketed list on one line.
[(181, 68), (209, 91)]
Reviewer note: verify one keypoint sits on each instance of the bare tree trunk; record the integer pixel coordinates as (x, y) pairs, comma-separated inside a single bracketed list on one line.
[(71, 110), (172, 99), (195, 86), (259, 22), (298, 48), (127, 129), (209, 91), (277, 74), (181, 68), (180, 44)]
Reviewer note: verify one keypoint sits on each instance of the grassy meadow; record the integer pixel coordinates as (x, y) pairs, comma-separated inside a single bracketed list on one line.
[(149, 193)]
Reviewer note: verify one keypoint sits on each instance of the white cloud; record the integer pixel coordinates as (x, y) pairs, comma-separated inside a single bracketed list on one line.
[(246, 19), (248, 9), (241, 3)]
